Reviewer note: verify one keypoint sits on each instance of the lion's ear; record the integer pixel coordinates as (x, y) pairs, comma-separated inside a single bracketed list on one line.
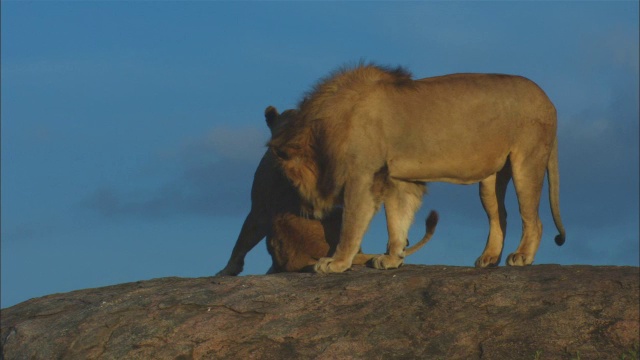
[(270, 115)]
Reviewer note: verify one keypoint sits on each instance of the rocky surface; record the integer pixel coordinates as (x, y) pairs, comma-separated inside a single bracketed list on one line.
[(415, 312)]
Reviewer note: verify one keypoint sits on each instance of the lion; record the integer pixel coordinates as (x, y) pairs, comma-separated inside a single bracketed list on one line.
[(294, 241), (368, 135)]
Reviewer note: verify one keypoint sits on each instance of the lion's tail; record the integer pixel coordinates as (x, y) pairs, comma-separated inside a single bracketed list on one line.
[(431, 222), (553, 176)]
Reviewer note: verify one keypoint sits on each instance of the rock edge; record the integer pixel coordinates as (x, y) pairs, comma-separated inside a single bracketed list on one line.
[(415, 312)]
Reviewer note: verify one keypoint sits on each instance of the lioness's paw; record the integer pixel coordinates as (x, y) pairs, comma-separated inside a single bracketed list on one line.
[(485, 261), (384, 262), (230, 270), (330, 265), (519, 259)]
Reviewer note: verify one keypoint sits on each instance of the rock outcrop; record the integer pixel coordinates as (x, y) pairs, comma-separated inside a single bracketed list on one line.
[(415, 312)]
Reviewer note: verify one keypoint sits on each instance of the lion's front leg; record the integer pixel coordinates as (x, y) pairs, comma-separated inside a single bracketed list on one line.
[(359, 208), (402, 200), (253, 230)]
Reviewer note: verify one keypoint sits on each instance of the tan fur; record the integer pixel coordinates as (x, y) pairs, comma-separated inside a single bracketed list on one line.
[(297, 243), (369, 135), (294, 242)]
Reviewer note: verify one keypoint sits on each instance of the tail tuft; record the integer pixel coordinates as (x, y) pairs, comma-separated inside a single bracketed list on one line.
[(560, 239), (432, 221)]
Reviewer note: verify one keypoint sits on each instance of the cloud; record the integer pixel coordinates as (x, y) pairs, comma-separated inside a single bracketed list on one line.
[(599, 152), (228, 143), (213, 177), (617, 47)]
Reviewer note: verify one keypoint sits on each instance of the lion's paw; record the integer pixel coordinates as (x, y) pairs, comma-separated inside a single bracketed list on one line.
[(519, 259), (486, 260), (231, 270), (384, 262), (330, 265)]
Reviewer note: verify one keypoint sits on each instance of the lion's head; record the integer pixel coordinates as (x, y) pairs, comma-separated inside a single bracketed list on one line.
[(298, 153)]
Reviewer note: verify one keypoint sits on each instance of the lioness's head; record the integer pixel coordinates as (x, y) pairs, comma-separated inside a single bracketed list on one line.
[(293, 145)]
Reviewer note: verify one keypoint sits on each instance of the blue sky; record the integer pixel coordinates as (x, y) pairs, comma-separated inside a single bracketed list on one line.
[(131, 130)]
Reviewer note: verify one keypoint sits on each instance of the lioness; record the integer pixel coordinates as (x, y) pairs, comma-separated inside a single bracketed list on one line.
[(294, 241), (368, 123)]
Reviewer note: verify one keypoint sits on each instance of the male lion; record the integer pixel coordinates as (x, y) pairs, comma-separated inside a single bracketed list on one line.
[(294, 241), (369, 134)]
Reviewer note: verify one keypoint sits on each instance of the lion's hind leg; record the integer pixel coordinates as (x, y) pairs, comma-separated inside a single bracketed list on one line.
[(492, 194), (528, 177)]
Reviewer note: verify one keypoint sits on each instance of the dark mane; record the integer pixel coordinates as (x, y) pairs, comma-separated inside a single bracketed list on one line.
[(314, 138), (340, 87), (349, 75)]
